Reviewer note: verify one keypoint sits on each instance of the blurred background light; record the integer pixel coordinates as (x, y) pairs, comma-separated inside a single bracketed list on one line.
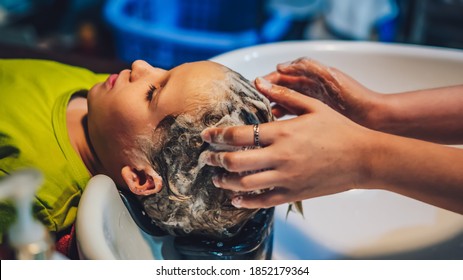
[(168, 33)]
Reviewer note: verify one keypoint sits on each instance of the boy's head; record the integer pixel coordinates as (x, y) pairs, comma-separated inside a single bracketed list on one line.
[(145, 125)]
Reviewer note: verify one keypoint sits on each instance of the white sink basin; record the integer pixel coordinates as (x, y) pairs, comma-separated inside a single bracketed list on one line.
[(105, 230), (354, 224)]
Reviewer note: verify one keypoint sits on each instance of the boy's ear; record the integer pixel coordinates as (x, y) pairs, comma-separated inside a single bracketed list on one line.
[(141, 182)]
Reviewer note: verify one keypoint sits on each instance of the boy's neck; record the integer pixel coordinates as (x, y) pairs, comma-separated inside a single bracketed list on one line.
[(76, 121)]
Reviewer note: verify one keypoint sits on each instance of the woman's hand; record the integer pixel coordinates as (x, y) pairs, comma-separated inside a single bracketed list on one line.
[(427, 114), (327, 84), (317, 153)]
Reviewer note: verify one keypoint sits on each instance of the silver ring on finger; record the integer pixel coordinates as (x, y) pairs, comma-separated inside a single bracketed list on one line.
[(256, 135)]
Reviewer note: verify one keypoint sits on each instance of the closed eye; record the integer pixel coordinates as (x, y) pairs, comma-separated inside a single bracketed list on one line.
[(150, 92)]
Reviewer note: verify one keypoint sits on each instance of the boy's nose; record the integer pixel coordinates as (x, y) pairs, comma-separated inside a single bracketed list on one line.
[(140, 64), (141, 68)]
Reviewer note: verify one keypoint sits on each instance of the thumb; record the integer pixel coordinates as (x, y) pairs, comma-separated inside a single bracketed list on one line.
[(293, 101)]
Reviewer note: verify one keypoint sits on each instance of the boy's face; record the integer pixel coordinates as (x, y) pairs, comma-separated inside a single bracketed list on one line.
[(122, 108), (170, 179)]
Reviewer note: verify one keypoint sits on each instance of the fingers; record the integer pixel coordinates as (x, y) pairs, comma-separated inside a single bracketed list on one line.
[(298, 66), (273, 77), (293, 101), (311, 74), (237, 135), (249, 160), (301, 66), (253, 182), (267, 199), (299, 83), (263, 181), (307, 73)]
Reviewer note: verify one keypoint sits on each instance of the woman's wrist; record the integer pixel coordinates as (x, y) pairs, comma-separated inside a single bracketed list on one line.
[(371, 159), (377, 111), (382, 163)]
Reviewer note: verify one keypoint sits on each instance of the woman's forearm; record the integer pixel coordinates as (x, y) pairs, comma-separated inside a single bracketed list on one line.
[(429, 172), (433, 115)]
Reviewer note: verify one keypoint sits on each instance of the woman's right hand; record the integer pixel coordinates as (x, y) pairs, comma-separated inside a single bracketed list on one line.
[(317, 153), (327, 84)]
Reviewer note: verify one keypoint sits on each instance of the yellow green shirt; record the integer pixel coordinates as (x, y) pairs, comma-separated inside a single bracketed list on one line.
[(34, 95)]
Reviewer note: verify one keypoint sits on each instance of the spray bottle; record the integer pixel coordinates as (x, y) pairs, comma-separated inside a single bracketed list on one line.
[(28, 237)]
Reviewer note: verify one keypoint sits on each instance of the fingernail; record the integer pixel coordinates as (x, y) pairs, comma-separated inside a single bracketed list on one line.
[(215, 181), (263, 83), (205, 135), (207, 157), (236, 201)]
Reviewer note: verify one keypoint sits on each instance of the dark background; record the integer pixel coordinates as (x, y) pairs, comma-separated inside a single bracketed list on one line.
[(76, 32)]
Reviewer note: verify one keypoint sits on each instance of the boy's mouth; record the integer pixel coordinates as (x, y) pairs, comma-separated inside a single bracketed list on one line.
[(111, 80)]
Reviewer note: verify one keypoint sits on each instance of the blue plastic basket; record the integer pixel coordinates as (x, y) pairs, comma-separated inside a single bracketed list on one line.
[(169, 33)]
